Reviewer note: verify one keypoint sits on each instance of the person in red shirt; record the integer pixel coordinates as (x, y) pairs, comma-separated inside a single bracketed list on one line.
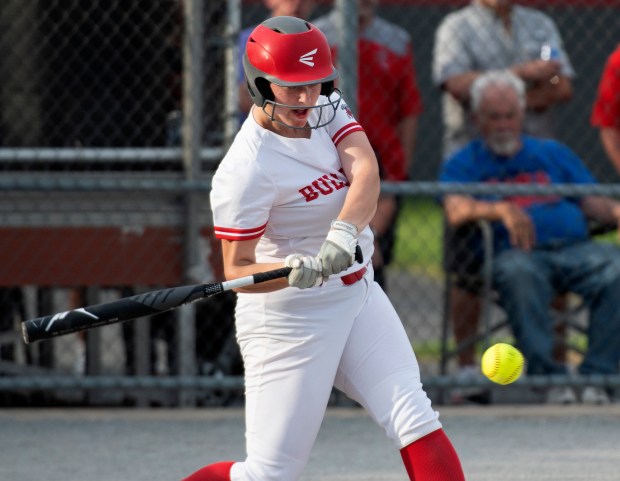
[(389, 104), (606, 109)]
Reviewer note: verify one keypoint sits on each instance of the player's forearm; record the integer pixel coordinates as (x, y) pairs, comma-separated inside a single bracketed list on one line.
[(240, 261), (361, 202), (234, 272), (361, 168)]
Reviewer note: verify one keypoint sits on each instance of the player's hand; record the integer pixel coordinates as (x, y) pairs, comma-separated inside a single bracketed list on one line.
[(338, 251), (306, 271)]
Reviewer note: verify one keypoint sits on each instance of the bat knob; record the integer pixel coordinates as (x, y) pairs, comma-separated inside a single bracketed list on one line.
[(359, 257), (25, 333)]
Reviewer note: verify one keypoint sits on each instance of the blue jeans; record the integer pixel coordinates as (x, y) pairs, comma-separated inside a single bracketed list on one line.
[(527, 282)]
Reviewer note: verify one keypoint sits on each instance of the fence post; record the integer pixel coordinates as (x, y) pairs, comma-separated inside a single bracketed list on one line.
[(231, 55), (347, 52), (193, 55)]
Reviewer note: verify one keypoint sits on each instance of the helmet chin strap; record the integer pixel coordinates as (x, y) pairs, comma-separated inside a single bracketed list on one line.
[(333, 104)]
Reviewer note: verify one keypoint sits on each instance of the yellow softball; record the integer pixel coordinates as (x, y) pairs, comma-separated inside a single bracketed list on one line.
[(502, 363)]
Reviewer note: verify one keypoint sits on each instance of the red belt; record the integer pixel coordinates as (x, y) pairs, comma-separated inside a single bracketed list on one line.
[(353, 277)]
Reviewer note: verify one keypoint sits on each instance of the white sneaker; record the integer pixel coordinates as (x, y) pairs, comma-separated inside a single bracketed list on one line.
[(561, 395), (594, 395)]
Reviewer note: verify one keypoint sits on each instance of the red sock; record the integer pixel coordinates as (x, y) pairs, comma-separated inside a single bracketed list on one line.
[(213, 472), (432, 458)]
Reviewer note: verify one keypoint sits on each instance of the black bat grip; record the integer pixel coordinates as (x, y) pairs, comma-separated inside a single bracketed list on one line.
[(271, 275)]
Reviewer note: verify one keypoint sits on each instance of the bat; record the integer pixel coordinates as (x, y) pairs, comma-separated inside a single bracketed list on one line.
[(136, 306), (140, 305)]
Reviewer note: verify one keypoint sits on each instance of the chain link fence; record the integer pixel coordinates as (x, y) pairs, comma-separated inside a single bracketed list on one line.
[(113, 116)]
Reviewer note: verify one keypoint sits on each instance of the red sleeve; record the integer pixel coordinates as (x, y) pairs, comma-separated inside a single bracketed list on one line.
[(606, 109)]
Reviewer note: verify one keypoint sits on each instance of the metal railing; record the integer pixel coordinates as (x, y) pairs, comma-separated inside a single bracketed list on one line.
[(22, 377)]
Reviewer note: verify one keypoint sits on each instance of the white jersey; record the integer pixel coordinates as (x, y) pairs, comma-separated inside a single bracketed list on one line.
[(285, 191)]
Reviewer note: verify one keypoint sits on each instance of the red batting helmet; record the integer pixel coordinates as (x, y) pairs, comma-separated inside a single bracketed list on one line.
[(288, 51)]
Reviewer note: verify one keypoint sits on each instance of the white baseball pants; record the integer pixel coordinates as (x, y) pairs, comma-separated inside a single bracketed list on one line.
[(297, 344)]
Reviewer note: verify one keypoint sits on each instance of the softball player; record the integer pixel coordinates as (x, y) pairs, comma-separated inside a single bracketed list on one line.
[(298, 187)]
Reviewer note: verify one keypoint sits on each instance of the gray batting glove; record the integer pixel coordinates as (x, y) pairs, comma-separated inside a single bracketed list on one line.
[(306, 271), (338, 251)]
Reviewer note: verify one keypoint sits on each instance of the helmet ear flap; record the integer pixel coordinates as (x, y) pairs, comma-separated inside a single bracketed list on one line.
[(262, 84), (261, 91), (327, 88)]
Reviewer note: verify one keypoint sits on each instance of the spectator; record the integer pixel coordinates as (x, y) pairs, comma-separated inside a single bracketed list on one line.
[(492, 35), (389, 104), (541, 242), (291, 8), (606, 111)]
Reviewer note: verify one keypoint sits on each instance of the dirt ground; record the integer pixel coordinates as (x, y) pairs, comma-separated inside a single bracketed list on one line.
[(506, 443)]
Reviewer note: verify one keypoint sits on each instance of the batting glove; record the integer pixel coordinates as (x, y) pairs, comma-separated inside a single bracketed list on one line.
[(338, 251), (306, 271)]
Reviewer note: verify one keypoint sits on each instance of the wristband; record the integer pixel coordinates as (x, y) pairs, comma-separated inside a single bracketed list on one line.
[(345, 226)]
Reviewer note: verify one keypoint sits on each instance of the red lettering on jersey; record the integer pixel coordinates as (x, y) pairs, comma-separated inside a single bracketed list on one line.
[(324, 185), (309, 193), (317, 185), (338, 184)]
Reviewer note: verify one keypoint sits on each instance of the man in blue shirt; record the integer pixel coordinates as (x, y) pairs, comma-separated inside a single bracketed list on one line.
[(541, 242)]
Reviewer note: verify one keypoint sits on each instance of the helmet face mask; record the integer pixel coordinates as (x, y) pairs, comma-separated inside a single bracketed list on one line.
[(288, 52), (323, 118)]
